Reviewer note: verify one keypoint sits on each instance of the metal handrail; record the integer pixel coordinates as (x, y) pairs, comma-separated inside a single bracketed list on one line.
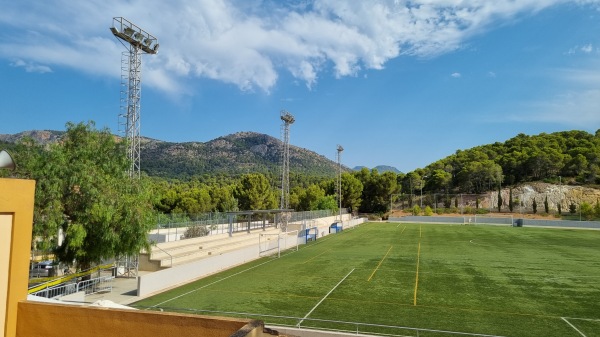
[(62, 279), (164, 251), (90, 287)]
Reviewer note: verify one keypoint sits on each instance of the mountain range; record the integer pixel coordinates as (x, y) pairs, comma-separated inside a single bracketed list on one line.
[(234, 154)]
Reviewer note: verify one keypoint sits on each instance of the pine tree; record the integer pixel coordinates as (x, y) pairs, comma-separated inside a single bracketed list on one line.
[(534, 205), (546, 208), (510, 200), (499, 199)]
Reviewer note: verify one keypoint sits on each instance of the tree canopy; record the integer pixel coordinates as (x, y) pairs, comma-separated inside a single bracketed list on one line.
[(570, 154), (84, 192)]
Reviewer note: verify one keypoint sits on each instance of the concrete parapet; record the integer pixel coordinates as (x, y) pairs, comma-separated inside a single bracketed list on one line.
[(55, 320)]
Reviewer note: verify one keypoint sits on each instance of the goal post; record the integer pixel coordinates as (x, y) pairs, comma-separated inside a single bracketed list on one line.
[(492, 219), (274, 243)]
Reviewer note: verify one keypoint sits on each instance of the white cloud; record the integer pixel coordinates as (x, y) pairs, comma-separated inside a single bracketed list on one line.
[(576, 108), (31, 67), (587, 48), (249, 43), (575, 104), (456, 75)]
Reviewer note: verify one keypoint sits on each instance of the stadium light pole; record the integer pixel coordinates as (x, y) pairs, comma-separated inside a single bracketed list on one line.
[(137, 42), (339, 179), (287, 120)]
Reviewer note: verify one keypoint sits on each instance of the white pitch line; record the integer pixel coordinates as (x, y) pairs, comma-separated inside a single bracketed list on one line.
[(572, 326), (323, 299), (204, 286)]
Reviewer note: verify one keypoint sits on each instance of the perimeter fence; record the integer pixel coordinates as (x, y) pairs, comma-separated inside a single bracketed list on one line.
[(174, 227), (491, 220)]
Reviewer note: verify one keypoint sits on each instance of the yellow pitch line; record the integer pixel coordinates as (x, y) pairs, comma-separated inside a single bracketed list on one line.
[(418, 260), (417, 277), (314, 257), (380, 262)]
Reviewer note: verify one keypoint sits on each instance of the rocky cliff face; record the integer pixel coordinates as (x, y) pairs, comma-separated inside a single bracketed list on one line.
[(524, 195)]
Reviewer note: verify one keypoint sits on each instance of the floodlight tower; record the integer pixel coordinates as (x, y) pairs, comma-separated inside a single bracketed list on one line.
[(339, 178), (287, 119), (138, 42)]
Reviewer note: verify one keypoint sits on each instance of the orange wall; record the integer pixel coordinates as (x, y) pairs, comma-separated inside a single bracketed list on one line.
[(16, 204), (52, 320)]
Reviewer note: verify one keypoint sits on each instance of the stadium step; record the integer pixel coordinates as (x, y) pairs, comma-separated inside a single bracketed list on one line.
[(166, 255)]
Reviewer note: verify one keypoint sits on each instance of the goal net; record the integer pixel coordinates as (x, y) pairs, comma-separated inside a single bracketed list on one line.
[(271, 244), (489, 219)]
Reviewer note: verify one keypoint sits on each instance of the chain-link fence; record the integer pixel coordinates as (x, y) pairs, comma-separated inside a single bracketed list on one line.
[(173, 227)]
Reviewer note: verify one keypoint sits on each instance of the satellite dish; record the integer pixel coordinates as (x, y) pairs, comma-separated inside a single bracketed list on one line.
[(6, 161)]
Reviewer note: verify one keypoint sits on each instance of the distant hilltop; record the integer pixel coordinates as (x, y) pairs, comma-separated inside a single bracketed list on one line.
[(379, 168), (235, 154)]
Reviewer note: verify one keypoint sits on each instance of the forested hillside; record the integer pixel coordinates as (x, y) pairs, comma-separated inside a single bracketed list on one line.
[(569, 157), (232, 155)]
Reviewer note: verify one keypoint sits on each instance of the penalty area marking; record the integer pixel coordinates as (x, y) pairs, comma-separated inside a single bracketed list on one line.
[(574, 327), (314, 257), (380, 262), (323, 299)]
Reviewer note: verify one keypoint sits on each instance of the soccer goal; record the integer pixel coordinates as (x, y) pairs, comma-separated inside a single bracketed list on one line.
[(491, 219), (271, 244)]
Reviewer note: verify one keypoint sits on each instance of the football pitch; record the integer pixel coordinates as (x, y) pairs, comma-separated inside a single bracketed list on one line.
[(415, 280)]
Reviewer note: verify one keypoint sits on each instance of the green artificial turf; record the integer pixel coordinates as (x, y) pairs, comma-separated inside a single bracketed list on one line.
[(392, 278)]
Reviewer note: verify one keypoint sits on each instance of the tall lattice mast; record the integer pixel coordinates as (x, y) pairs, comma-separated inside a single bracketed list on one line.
[(339, 178), (287, 119), (138, 43)]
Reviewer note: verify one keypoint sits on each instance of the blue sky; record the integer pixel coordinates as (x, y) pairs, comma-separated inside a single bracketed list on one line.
[(400, 83)]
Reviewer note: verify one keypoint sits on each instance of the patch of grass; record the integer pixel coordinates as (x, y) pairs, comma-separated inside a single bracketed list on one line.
[(492, 280)]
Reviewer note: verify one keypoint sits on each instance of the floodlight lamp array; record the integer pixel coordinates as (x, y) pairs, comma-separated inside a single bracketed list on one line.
[(287, 117), (137, 37), (340, 148)]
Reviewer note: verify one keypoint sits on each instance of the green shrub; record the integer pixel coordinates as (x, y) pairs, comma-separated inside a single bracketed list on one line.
[(196, 231), (572, 208)]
